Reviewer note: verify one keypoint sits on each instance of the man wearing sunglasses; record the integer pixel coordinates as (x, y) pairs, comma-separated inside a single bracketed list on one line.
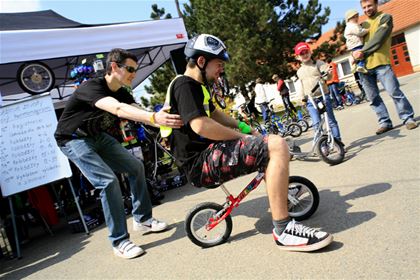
[(81, 134)]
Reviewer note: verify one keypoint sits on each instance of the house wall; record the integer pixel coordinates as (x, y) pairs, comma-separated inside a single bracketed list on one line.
[(412, 38)]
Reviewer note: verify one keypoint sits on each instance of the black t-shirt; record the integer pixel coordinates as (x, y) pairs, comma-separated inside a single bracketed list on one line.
[(80, 111), (187, 100)]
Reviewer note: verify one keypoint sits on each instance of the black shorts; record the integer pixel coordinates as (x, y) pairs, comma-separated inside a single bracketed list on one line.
[(223, 161)]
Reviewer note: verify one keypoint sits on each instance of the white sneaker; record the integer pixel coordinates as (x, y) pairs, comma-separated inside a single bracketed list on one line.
[(128, 250), (297, 237), (152, 225), (361, 69)]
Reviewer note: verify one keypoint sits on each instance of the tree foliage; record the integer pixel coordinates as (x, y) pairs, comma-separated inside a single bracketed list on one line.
[(259, 34)]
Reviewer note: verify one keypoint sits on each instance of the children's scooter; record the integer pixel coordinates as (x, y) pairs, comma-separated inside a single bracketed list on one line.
[(324, 145)]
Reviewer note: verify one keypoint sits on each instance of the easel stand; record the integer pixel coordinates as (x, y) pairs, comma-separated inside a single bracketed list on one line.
[(12, 212)]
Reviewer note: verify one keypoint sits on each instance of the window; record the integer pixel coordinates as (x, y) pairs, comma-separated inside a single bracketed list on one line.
[(344, 68), (291, 86)]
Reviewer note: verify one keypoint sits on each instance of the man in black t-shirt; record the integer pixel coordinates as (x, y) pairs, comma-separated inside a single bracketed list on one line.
[(81, 135), (212, 151)]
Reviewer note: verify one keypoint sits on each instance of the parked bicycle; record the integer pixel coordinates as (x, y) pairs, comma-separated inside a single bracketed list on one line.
[(273, 125), (302, 120), (220, 89)]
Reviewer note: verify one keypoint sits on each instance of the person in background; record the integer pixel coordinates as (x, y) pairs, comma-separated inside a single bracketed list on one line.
[(333, 85), (284, 93), (376, 52), (309, 73), (354, 34), (81, 135), (261, 98)]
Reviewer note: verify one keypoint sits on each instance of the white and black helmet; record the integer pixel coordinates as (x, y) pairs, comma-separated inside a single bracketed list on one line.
[(206, 45)]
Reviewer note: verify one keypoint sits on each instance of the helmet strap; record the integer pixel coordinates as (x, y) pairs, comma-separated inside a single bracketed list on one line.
[(203, 73)]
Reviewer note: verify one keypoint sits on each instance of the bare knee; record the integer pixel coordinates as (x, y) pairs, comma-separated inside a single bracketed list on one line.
[(277, 147)]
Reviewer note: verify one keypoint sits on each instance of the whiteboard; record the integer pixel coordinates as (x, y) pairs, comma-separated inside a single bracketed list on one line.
[(29, 155)]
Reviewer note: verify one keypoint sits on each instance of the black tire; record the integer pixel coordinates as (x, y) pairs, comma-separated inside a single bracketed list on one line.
[(35, 77), (303, 198), (348, 102), (220, 100), (294, 129), (332, 156), (196, 220), (224, 85), (308, 119), (303, 124)]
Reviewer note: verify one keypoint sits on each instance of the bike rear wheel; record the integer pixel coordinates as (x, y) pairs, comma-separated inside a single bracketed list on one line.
[(197, 220), (303, 198), (330, 153), (220, 100), (303, 124), (294, 130)]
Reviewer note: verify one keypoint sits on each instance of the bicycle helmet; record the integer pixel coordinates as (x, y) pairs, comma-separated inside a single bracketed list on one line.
[(206, 45)]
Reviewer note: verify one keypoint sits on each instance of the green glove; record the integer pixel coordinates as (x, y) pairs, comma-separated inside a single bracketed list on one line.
[(244, 128)]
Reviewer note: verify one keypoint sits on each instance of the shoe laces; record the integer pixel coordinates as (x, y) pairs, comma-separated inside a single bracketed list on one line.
[(296, 228)]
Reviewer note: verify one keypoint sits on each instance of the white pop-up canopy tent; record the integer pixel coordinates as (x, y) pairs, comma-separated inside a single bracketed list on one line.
[(55, 43)]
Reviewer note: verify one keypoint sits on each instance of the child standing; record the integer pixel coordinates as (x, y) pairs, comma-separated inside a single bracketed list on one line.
[(309, 73), (354, 34)]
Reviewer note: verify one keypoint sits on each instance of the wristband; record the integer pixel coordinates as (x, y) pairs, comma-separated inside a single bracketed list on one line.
[(244, 128), (152, 118)]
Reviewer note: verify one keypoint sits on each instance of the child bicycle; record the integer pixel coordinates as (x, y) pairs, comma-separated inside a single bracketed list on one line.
[(273, 125), (209, 224), (290, 116)]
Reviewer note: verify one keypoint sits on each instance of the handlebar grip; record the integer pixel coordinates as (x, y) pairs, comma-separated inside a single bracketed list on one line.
[(315, 88)]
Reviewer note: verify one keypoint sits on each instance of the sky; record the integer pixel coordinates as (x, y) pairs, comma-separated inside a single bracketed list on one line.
[(111, 11)]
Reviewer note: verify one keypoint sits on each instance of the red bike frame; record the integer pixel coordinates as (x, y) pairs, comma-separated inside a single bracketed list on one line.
[(232, 202)]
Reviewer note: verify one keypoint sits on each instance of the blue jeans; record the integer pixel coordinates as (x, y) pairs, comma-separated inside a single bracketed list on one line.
[(316, 118), (336, 94), (264, 111), (386, 76), (359, 62), (97, 158)]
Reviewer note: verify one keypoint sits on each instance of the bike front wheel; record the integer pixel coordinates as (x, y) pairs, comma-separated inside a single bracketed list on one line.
[(303, 198), (294, 130), (199, 218), (331, 153)]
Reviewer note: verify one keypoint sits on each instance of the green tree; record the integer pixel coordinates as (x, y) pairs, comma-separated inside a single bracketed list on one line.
[(260, 34), (335, 45), (158, 13)]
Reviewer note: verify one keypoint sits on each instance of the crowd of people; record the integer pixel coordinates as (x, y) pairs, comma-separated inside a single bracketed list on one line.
[(210, 146)]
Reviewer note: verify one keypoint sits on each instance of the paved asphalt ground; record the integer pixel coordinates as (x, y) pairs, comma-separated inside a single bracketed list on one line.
[(370, 203)]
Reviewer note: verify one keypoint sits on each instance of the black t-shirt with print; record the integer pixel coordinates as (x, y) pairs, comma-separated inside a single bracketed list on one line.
[(80, 111), (187, 100)]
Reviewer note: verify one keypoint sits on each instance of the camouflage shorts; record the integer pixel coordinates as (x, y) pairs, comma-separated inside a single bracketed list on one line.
[(223, 161)]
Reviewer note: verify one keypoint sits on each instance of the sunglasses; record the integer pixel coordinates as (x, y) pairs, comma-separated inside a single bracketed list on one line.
[(130, 69)]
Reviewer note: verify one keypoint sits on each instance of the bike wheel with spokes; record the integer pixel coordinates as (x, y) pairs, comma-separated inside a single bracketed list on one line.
[(196, 225), (294, 129), (331, 153), (308, 119), (303, 198), (35, 77), (220, 100), (224, 85), (303, 124)]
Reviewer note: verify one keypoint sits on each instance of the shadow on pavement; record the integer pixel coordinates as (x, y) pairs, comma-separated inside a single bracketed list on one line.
[(332, 214), (43, 252)]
